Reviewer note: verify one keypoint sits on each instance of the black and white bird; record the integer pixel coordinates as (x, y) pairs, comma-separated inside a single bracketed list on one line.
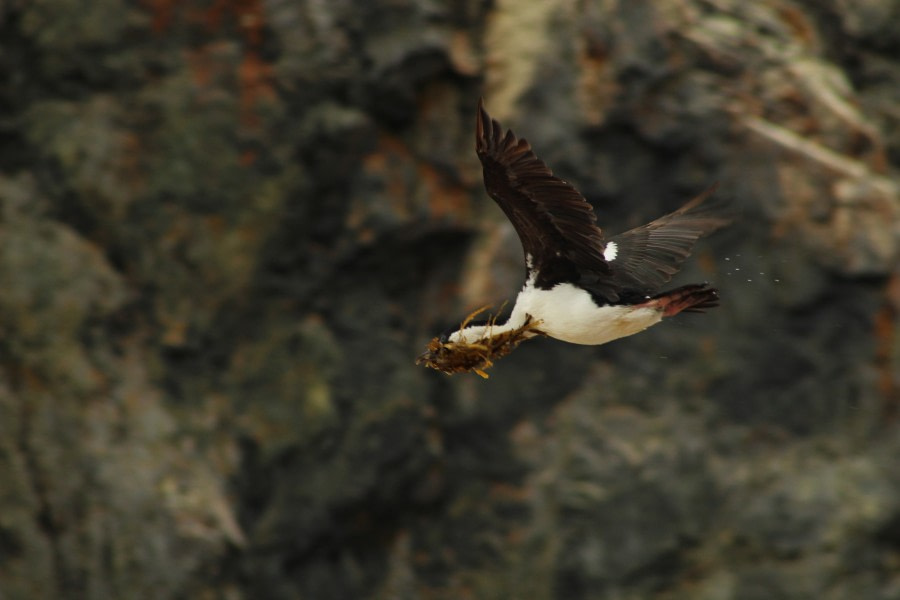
[(580, 286)]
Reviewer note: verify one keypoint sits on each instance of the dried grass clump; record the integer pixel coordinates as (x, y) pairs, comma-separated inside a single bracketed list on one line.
[(461, 357)]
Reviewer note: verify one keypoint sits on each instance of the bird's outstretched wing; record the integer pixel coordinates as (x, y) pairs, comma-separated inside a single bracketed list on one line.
[(648, 256), (556, 225)]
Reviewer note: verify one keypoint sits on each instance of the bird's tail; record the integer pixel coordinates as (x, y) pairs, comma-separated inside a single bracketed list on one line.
[(696, 297)]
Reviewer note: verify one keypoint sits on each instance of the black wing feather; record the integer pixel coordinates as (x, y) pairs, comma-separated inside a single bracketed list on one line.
[(556, 225), (648, 256)]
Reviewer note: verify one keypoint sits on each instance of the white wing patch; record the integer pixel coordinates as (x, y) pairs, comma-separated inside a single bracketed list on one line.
[(610, 252)]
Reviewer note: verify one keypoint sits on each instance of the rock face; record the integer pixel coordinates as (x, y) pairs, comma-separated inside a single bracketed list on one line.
[(228, 228)]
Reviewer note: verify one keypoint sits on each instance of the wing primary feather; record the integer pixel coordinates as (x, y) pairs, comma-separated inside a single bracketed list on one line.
[(648, 256)]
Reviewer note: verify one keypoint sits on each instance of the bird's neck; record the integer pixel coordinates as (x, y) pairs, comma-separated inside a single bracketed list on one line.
[(480, 331)]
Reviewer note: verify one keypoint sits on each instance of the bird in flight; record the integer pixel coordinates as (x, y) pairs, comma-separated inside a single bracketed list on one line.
[(580, 286)]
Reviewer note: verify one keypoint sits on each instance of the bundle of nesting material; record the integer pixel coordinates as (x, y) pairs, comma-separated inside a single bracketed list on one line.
[(477, 355)]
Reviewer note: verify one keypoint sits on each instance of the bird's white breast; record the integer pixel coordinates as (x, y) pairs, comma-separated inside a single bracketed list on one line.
[(569, 313)]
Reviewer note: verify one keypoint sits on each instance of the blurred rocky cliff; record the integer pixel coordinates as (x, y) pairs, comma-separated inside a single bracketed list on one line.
[(227, 229)]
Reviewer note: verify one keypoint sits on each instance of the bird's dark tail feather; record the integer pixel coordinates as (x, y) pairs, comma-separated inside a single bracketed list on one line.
[(696, 297)]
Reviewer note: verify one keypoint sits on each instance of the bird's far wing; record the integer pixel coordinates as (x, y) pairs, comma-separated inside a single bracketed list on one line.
[(552, 218), (647, 257)]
